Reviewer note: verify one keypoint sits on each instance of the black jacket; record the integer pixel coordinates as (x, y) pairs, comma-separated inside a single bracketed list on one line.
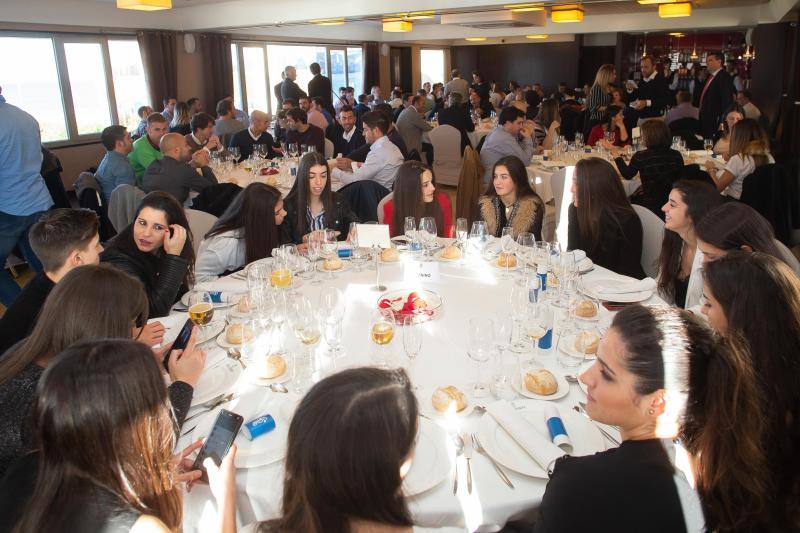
[(717, 101), (162, 275), (321, 86), (290, 89), (458, 117), (245, 143), (658, 168), (657, 91), (344, 216), (176, 177), (341, 146)]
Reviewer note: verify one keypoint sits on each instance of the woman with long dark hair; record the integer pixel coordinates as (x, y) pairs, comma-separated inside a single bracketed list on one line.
[(546, 124), (602, 221), (247, 231), (652, 364), (333, 483), (311, 205), (614, 122), (749, 149), (510, 201), (156, 248), (680, 262), (754, 299), (104, 441), (415, 196), (90, 302), (658, 165)]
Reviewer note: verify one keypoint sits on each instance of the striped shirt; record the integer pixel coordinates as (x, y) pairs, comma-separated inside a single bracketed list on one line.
[(315, 222), (597, 98)]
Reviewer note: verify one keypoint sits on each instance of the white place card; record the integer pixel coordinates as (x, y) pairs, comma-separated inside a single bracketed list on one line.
[(370, 235), (421, 272)]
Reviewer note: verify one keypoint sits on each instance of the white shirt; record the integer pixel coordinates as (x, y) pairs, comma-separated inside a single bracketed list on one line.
[(348, 135), (381, 165), (218, 254), (740, 167)]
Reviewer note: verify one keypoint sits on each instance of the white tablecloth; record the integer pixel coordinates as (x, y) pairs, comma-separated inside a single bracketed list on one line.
[(473, 290), (283, 181)]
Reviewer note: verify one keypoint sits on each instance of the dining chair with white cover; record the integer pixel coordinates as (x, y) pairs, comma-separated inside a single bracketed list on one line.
[(788, 257), (381, 204), (446, 141), (200, 223), (652, 238), (328, 149)]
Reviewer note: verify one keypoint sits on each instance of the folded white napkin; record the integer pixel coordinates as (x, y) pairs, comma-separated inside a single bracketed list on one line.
[(626, 287), (535, 444)]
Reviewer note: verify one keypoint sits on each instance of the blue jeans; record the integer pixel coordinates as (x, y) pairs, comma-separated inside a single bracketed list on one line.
[(13, 231)]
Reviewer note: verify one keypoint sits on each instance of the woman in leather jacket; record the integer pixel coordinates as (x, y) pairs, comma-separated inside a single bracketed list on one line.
[(156, 248)]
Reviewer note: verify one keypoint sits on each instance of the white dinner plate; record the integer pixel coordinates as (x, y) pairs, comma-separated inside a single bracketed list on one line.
[(426, 405), (628, 297), (265, 449), (563, 388), (586, 438), (567, 345), (216, 380), (431, 463)]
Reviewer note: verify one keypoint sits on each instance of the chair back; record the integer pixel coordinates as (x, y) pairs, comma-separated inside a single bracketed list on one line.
[(122, 205), (328, 148), (380, 207), (768, 191), (788, 257), (446, 141), (470, 186), (688, 129), (364, 197), (652, 237), (200, 223)]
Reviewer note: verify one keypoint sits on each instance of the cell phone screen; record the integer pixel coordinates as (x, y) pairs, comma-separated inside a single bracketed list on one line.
[(216, 446), (180, 341)]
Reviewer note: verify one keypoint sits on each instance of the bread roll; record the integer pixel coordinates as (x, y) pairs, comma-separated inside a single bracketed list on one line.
[(238, 333), (541, 381), (333, 263), (390, 255), (451, 252), (588, 339), (586, 309), (274, 366), (505, 259), (449, 399)]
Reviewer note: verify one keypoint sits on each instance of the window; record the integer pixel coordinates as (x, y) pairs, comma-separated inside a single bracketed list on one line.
[(30, 81), (432, 66), (237, 79), (255, 79), (130, 87), (355, 69), (338, 73), (75, 86), (280, 56)]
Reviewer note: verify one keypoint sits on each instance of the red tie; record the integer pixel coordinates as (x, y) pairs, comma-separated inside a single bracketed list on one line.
[(705, 88)]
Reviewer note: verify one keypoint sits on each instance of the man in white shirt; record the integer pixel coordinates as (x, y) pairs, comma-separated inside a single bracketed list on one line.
[(384, 157), (750, 109), (457, 85)]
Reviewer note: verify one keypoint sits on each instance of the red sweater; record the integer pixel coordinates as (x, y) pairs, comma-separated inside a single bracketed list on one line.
[(598, 133), (447, 215)]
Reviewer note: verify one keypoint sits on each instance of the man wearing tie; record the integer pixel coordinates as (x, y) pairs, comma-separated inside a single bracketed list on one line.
[(717, 95)]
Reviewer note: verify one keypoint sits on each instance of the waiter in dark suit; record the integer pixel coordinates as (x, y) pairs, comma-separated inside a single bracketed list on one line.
[(652, 96), (321, 86), (457, 115), (344, 134), (717, 95)]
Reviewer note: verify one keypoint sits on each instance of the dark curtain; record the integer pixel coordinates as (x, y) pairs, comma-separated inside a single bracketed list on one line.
[(217, 55), (160, 60), (372, 68)]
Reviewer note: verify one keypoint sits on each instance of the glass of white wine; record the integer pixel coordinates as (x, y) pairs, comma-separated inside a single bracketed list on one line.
[(201, 311), (381, 333)]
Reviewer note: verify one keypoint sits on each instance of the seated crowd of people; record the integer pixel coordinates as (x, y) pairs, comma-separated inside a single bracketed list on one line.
[(89, 427)]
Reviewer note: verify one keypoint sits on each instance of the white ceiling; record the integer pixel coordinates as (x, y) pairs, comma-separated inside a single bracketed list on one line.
[(283, 19)]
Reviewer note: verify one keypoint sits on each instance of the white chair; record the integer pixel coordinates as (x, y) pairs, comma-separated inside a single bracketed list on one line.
[(381, 204), (328, 148), (200, 223), (652, 237), (788, 257), (446, 141)]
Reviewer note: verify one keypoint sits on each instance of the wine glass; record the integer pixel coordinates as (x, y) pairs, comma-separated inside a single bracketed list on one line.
[(332, 332), (477, 236), (520, 303), (503, 330), (201, 310), (462, 232), (293, 150), (235, 153), (480, 347), (332, 304), (507, 247), (708, 144), (410, 231), (329, 246), (540, 322), (427, 229), (579, 140), (412, 340), (304, 321), (381, 333), (314, 252), (526, 249)]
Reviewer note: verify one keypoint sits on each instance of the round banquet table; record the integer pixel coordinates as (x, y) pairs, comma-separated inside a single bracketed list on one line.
[(283, 180), (474, 289)]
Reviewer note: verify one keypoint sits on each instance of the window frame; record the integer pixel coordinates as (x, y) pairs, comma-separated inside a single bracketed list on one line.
[(59, 39), (445, 76), (270, 85)]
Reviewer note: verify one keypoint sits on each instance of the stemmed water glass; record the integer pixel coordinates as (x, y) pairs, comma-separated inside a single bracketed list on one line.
[(410, 231), (520, 307), (507, 247), (314, 252), (526, 243), (477, 236), (480, 347), (235, 153), (427, 231), (462, 232)]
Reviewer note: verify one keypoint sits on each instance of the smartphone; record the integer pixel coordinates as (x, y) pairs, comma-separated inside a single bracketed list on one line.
[(219, 441), (180, 341)]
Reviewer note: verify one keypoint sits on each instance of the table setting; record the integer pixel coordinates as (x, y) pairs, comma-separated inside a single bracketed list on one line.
[(494, 354)]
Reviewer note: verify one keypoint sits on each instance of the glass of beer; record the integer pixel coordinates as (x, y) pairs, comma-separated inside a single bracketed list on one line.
[(201, 311), (381, 333)]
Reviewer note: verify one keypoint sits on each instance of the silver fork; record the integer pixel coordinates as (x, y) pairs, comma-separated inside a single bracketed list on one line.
[(211, 407), (480, 449)]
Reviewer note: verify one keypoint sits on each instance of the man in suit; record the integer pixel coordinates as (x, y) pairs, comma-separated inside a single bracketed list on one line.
[(456, 115), (411, 124), (173, 174), (277, 90), (320, 87), (652, 95), (717, 95), (457, 85), (345, 135), (478, 106), (289, 89)]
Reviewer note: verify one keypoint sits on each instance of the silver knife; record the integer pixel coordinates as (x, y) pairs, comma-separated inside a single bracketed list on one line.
[(468, 456)]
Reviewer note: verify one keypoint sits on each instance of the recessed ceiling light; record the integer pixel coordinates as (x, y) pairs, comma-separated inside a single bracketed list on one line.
[(144, 5), (328, 22), (537, 36), (681, 9), (397, 26), (475, 39), (571, 13)]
